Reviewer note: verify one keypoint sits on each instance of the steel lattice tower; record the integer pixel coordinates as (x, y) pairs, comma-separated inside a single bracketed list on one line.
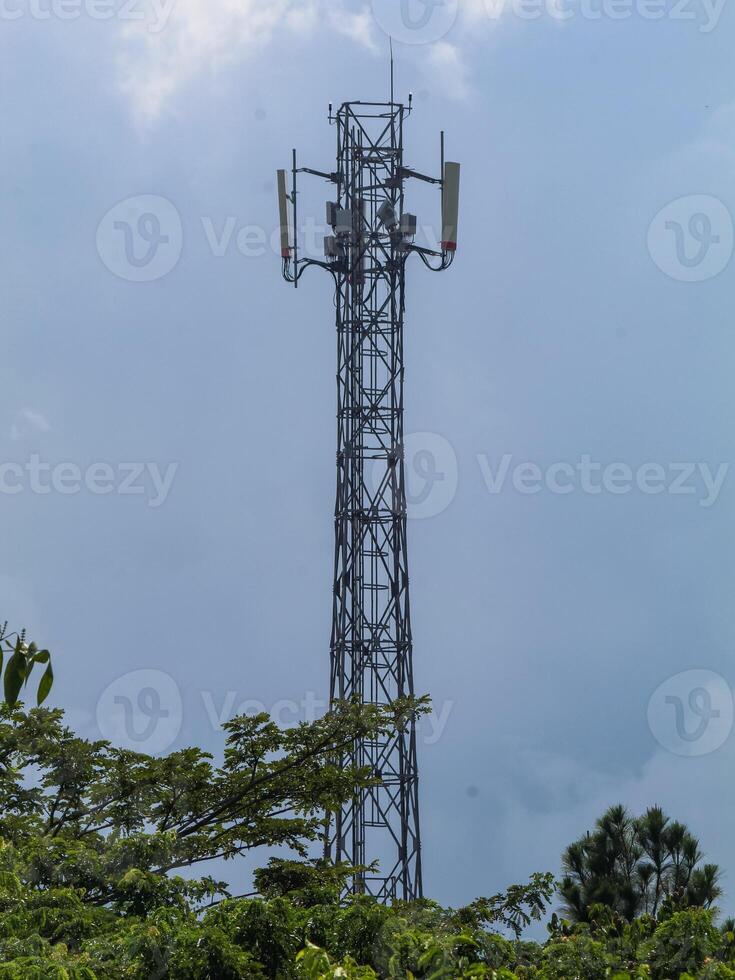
[(371, 644)]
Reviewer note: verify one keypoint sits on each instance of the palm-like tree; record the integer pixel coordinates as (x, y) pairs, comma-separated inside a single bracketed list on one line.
[(704, 886), (632, 865)]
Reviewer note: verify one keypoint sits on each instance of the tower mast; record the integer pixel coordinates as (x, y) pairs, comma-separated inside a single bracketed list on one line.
[(371, 240)]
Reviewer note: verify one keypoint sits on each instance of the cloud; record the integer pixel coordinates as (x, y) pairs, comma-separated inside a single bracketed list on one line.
[(179, 42), (572, 797), (182, 40), (26, 422), (359, 27), (449, 61)]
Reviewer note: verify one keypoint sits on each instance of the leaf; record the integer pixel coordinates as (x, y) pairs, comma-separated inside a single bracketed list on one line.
[(47, 682), (10, 884), (15, 675)]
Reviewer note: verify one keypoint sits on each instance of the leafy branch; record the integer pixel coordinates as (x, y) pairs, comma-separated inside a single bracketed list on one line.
[(23, 658)]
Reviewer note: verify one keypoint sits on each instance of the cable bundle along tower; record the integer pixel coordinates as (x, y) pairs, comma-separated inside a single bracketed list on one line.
[(370, 240)]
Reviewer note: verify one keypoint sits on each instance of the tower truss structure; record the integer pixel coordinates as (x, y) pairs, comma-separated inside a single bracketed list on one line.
[(371, 240)]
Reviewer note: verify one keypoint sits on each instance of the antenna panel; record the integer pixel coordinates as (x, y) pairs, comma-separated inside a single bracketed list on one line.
[(450, 207), (283, 214)]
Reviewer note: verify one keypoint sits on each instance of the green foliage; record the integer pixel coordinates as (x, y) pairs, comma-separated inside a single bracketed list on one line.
[(99, 851), (122, 825), (577, 957), (314, 964), (169, 944), (682, 944), (514, 909), (636, 866), (715, 971), (305, 883), (22, 657)]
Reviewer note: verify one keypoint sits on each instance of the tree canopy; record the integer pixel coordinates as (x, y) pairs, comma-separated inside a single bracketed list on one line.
[(104, 855), (122, 825), (635, 865), (100, 850)]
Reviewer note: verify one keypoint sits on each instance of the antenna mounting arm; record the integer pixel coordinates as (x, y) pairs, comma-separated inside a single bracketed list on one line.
[(319, 173), (407, 172)]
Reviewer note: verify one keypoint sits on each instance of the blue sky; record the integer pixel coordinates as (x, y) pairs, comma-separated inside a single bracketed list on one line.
[(167, 446)]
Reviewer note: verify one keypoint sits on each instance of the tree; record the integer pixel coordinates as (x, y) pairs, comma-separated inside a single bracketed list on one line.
[(120, 825), (514, 909), (635, 865), (99, 850), (682, 944), (24, 657)]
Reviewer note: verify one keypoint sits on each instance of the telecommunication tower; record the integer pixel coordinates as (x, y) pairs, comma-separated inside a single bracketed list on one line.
[(371, 238)]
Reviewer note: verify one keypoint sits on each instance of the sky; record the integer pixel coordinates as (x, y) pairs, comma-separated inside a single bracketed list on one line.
[(167, 429)]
